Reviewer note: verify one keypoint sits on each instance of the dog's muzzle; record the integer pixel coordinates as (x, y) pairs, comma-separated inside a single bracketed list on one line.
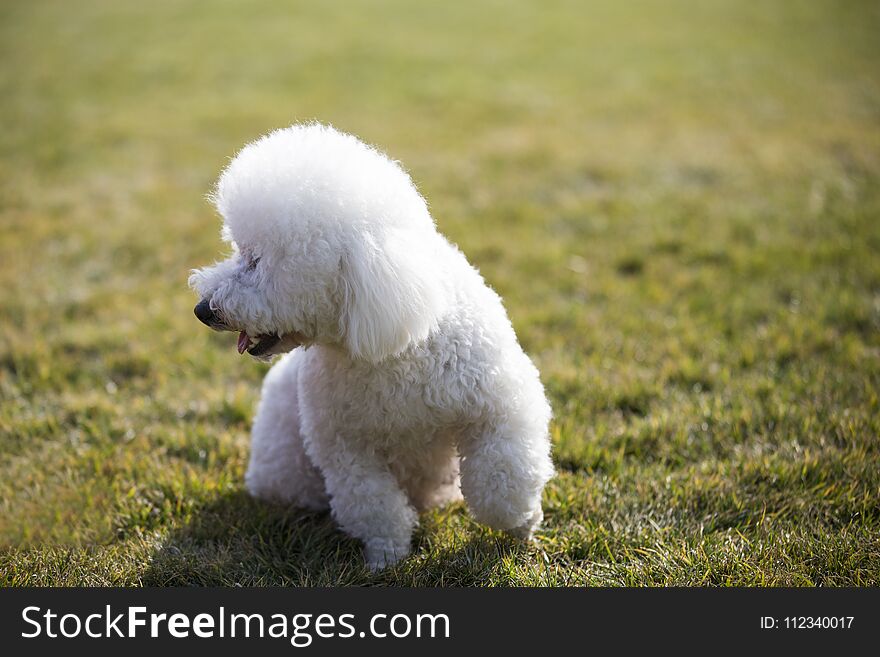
[(262, 346), (208, 316)]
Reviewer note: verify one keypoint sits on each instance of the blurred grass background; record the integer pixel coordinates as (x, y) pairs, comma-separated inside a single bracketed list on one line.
[(678, 200)]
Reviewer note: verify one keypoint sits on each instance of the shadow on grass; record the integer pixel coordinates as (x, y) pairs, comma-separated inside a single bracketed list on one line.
[(237, 541), (484, 558)]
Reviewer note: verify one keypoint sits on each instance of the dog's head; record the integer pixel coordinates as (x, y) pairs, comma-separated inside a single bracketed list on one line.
[(331, 243)]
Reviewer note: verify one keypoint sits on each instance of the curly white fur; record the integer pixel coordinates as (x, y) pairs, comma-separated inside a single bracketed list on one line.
[(409, 369)]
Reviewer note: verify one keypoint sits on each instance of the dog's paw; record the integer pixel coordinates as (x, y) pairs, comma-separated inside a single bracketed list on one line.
[(380, 553), (526, 531)]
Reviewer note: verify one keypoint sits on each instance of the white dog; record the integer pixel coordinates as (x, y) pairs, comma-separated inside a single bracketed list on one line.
[(403, 367)]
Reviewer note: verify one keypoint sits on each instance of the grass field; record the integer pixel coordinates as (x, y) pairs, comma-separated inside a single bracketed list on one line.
[(679, 202)]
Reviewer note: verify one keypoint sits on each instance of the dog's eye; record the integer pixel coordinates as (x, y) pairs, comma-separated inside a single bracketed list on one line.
[(252, 264)]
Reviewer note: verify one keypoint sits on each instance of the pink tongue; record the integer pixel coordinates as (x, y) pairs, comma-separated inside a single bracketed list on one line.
[(243, 342)]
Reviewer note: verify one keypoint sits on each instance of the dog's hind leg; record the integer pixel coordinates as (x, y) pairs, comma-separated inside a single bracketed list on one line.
[(279, 468)]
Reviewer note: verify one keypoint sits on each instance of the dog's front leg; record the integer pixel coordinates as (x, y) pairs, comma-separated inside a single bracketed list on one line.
[(503, 472), (366, 499)]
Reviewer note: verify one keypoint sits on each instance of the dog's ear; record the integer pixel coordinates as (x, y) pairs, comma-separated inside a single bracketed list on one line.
[(392, 295)]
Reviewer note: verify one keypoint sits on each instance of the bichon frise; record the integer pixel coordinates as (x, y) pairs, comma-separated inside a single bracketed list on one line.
[(404, 386)]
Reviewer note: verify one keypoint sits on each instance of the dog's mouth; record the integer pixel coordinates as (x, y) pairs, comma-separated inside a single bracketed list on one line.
[(256, 346), (266, 344)]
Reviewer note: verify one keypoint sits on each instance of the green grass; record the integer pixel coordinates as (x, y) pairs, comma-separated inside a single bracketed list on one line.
[(679, 202)]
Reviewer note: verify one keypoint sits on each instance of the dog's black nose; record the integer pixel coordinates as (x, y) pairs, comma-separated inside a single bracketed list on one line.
[(206, 314)]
